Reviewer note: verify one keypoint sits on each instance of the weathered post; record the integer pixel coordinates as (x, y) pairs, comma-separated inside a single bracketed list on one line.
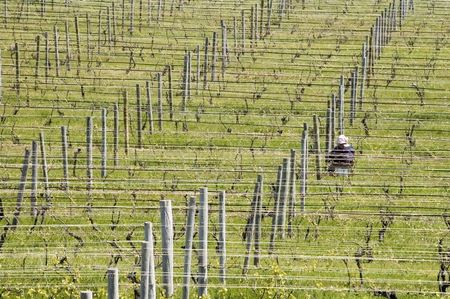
[(243, 32), (116, 134), (21, 189), (341, 105), (56, 38), (38, 52), (235, 38), (17, 65), (64, 149), (222, 248), (258, 229), (256, 26), (189, 75), (363, 74), (123, 19), (170, 95), (333, 120), (131, 29), (88, 41), (113, 283), (86, 295), (250, 229), (5, 12), (203, 243), (214, 57), (369, 56), (184, 92), (149, 107), (292, 192), (99, 32), (139, 115), (197, 79), (148, 237), (205, 65), (108, 27), (304, 167), (354, 86), (188, 247), (104, 145), (68, 55), (89, 166), (145, 265), (224, 49), (44, 168), (261, 20), (275, 211), (317, 145), (1, 86), (167, 246), (114, 25), (47, 57), (77, 31), (284, 197), (34, 178), (125, 121), (159, 12), (269, 16), (160, 101)]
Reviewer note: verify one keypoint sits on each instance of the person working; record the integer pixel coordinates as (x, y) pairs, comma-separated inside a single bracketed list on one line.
[(342, 157)]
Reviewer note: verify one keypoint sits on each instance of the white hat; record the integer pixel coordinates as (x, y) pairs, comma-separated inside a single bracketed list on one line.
[(342, 139)]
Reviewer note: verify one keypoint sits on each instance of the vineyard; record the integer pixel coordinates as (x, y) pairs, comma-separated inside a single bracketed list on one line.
[(153, 149)]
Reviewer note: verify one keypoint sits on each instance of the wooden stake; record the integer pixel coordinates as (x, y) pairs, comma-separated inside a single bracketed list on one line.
[(44, 170), (188, 247), (125, 121), (116, 134), (275, 212), (139, 115), (169, 67), (56, 37), (65, 160), (167, 246), (36, 72), (304, 167), (89, 164), (99, 33), (113, 283), (104, 144), (160, 104), (284, 197), (317, 146), (221, 244), (34, 178), (341, 105), (205, 65), (20, 193), (292, 193), (250, 229), (214, 57), (148, 237), (149, 107), (66, 27), (77, 31), (203, 244), (258, 229)]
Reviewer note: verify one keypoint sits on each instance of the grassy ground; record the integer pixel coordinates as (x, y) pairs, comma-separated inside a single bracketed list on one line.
[(381, 233)]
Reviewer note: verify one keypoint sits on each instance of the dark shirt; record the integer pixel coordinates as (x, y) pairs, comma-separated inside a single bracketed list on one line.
[(342, 155)]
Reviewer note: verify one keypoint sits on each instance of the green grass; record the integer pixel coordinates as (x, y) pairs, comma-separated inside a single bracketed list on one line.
[(241, 125)]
